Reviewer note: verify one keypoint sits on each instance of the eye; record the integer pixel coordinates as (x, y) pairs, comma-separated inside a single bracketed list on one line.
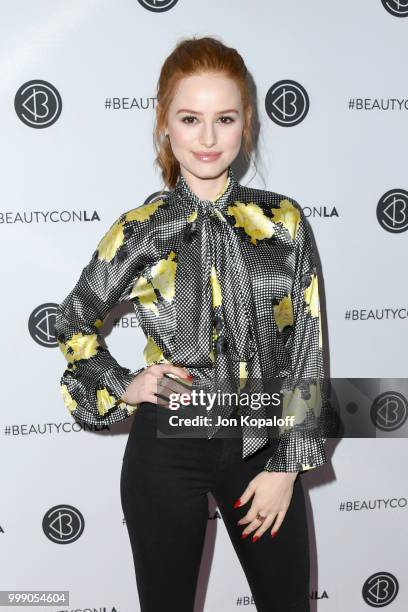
[(188, 117), (231, 119)]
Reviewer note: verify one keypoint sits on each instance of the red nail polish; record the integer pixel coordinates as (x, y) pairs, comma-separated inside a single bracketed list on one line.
[(237, 503), (244, 535), (274, 533), (255, 538)]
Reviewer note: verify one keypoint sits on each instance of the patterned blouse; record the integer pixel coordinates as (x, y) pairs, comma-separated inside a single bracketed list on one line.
[(226, 288)]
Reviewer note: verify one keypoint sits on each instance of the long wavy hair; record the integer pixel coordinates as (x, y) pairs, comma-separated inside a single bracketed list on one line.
[(195, 56)]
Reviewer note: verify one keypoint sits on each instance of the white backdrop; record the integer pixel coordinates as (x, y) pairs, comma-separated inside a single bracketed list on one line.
[(70, 166)]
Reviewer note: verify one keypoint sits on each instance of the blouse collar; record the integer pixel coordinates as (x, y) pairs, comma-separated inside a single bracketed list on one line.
[(184, 193)]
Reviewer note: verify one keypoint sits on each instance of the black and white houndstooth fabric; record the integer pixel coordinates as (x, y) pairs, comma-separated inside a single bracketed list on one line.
[(217, 321), (227, 289)]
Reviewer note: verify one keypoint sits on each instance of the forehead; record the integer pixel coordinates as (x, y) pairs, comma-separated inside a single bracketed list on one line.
[(204, 91)]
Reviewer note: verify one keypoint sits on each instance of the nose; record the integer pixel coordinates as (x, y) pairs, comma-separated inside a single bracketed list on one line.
[(208, 137)]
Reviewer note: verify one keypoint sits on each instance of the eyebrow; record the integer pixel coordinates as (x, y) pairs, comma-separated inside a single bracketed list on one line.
[(193, 112)]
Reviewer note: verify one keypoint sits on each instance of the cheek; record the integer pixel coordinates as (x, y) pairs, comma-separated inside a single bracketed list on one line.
[(181, 137), (232, 137)]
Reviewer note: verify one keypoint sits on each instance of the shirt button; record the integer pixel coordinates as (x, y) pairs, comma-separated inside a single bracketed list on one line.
[(221, 346), (218, 322)]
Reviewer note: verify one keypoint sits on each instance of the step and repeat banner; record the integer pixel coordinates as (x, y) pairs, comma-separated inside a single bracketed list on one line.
[(77, 106)]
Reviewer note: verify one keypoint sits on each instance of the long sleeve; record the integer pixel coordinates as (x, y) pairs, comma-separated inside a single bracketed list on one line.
[(301, 442), (93, 381)]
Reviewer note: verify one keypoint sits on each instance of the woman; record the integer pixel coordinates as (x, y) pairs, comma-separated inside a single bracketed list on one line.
[(223, 281)]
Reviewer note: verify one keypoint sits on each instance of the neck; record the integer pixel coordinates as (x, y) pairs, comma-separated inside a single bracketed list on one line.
[(207, 188)]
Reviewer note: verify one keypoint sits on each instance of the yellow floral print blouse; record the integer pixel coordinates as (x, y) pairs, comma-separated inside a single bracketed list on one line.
[(228, 289)]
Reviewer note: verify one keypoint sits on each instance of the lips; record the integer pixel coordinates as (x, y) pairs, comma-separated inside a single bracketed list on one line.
[(203, 156)]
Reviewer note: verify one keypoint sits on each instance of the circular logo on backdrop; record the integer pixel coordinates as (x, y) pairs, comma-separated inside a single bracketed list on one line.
[(287, 103), (392, 211), (389, 411), (41, 324), (158, 6), (38, 104), (63, 524), (380, 589), (398, 8)]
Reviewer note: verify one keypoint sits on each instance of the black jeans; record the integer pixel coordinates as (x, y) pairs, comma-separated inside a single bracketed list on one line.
[(164, 486)]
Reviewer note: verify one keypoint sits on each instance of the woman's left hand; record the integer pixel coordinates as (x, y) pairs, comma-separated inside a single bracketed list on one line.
[(272, 493)]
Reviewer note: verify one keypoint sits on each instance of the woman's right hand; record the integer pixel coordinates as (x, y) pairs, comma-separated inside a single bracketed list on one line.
[(153, 380)]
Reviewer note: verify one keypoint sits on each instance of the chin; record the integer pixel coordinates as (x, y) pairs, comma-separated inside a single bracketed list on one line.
[(209, 169)]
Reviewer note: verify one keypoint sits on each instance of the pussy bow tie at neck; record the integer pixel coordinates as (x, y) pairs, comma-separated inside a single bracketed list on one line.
[(211, 272)]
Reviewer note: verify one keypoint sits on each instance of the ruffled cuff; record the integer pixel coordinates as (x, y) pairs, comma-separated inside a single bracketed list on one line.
[(297, 451), (99, 403)]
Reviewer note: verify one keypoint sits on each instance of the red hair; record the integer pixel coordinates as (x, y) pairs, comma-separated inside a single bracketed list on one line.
[(194, 56)]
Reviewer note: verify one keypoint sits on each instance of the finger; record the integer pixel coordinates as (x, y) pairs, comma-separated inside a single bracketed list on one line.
[(251, 516), (166, 386), (171, 369), (149, 397), (154, 398), (252, 513), (161, 400), (168, 374), (244, 520), (245, 497), (166, 395), (177, 384), (255, 524), (178, 394), (279, 520), (265, 524)]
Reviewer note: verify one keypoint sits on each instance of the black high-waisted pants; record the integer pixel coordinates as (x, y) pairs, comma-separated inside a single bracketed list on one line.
[(164, 485)]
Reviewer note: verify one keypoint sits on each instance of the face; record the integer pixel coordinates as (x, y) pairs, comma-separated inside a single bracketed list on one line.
[(205, 123)]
